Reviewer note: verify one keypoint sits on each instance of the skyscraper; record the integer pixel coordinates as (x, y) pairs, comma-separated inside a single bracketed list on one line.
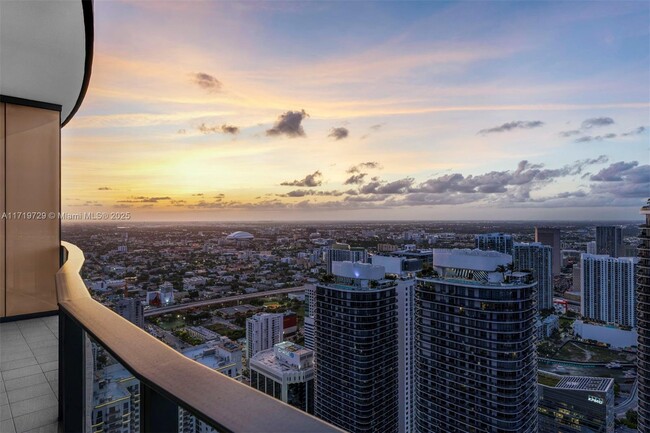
[(339, 252), (643, 321), (591, 247), (576, 277), (499, 242), (609, 241), (476, 361), (115, 401), (222, 356), (536, 259), (309, 325), (406, 345), (263, 331), (132, 310), (551, 237), (404, 270), (357, 350), (607, 289)]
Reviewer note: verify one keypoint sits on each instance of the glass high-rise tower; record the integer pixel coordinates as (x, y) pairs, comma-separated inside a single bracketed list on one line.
[(609, 241), (551, 236), (536, 258), (357, 350), (643, 321), (499, 242), (476, 364)]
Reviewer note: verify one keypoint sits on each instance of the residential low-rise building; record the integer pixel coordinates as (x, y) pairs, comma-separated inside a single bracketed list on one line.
[(546, 326), (609, 334)]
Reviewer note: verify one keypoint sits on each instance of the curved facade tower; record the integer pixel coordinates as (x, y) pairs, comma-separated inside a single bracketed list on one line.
[(643, 321), (357, 354), (475, 356)]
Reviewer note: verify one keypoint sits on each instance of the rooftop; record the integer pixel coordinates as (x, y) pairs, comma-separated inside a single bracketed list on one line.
[(109, 392), (292, 347), (207, 355), (585, 383), (239, 235), (477, 260), (285, 357)]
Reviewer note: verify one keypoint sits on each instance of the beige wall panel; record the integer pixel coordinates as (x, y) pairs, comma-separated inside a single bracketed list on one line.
[(2, 209), (32, 185)]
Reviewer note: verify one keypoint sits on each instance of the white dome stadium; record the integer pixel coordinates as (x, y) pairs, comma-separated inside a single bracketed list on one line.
[(239, 236)]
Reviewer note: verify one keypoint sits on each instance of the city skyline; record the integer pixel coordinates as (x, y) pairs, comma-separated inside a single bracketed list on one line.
[(374, 111), (319, 217)]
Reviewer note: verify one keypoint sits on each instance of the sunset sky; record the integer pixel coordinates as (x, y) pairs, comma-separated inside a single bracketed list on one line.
[(364, 110)]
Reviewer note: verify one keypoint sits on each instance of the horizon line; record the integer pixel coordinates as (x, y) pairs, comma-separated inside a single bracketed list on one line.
[(72, 222)]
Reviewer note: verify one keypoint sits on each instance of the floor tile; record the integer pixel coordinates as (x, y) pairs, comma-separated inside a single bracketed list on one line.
[(23, 382), (15, 354), (52, 375), (9, 326), (5, 412), (18, 363), (29, 377), (21, 372), (45, 343), (41, 336), (35, 404), (7, 426), (50, 428), (45, 350), (29, 392), (12, 338), (33, 420), (47, 357), (49, 366)]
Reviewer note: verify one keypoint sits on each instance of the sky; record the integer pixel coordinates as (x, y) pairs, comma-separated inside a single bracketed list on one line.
[(364, 111)]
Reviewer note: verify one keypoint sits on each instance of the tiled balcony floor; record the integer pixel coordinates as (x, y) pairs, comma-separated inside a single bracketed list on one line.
[(29, 376)]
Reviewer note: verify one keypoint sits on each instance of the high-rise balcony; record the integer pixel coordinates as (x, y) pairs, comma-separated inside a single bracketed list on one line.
[(50, 328), (46, 385)]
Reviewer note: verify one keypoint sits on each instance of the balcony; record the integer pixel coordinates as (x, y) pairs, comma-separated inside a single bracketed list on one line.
[(37, 395)]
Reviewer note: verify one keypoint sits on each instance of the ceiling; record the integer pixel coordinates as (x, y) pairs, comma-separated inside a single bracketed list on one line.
[(43, 51)]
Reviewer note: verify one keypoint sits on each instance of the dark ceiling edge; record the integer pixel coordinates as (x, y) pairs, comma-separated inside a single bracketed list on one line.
[(89, 26)]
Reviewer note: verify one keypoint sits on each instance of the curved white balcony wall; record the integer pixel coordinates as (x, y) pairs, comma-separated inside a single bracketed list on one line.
[(43, 52)]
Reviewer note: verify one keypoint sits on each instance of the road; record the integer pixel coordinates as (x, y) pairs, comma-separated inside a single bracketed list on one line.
[(631, 402), (207, 302)]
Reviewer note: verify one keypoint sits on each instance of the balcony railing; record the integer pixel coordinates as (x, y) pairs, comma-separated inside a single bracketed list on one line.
[(168, 379)]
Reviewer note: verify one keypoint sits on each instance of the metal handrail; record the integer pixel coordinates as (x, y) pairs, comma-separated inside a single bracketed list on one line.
[(220, 401)]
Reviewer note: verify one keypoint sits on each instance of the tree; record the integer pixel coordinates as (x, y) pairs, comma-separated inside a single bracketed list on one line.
[(555, 335), (631, 419), (257, 302)]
